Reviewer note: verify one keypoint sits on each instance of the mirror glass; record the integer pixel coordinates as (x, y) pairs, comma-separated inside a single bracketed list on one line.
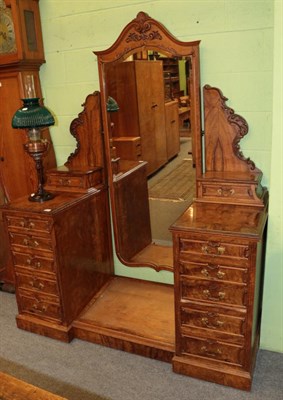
[(152, 141)]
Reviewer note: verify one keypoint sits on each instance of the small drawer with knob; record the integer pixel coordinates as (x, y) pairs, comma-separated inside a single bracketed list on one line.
[(65, 181), (27, 223), (216, 292), (213, 323), (46, 307), (34, 262), (223, 251), (30, 242), (213, 271), (79, 180), (37, 283), (213, 349), (229, 192), (226, 191)]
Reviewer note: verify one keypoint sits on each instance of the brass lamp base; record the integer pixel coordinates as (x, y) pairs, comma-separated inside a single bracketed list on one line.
[(37, 147)]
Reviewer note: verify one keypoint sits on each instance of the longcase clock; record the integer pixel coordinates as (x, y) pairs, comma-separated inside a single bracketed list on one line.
[(21, 55)]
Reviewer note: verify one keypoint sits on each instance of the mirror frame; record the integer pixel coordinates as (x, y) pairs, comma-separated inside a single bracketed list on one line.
[(143, 34)]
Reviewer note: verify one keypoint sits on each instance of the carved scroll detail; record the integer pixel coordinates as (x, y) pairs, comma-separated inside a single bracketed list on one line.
[(143, 28), (134, 37), (242, 129), (240, 126), (73, 130), (87, 131)]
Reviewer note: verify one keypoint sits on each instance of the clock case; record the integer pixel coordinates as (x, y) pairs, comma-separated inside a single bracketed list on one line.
[(28, 34), (17, 171)]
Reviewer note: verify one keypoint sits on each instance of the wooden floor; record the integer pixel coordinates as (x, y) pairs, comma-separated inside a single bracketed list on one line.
[(131, 315), (15, 389)]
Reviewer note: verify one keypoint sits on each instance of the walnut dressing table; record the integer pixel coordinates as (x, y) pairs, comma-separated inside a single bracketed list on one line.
[(208, 322)]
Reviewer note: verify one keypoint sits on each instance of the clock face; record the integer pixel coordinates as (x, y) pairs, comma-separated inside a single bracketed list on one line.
[(7, 33)]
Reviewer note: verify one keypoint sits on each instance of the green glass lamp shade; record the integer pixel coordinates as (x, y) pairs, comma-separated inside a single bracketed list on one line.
[(111, 105), (32, 115)]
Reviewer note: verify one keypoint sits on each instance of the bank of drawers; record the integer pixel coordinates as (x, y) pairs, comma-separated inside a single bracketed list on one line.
[(213, 298), (32, 245)]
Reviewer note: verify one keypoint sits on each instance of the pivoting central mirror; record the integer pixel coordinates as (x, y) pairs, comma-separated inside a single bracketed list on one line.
[(153, 142)]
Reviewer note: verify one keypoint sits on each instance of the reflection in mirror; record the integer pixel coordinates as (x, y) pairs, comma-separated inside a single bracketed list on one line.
[(154, 141), (153, 125)]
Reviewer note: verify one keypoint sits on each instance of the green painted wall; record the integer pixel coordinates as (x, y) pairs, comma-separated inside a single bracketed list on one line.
[(272, 323), (236, 55)]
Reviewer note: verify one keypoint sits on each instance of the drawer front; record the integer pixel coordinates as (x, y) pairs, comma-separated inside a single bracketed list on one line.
[(79, 182), (213, 271), (65, 181), (30, 242), (237, 192), (29, 224), (34, 262), (39, 305), (213, 349), (214, 321), (205, 290), (214, 248), (39, 284)]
